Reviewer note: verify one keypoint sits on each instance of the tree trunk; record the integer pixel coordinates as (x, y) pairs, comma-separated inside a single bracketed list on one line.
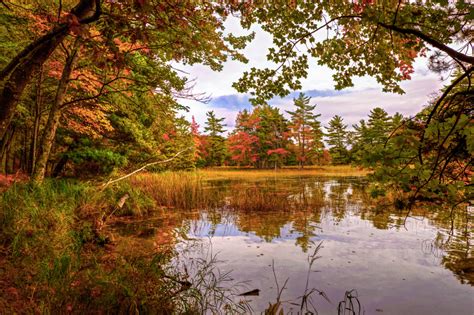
[(18, 73), (36, 124), (25, 152), (49, 132), (303, 152), (19, 78), (6, 144), (60, 166)]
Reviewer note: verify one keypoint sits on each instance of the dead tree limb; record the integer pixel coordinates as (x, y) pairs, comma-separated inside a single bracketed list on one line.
[(144, 167)]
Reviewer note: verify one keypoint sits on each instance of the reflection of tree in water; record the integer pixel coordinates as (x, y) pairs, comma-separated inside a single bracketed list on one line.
[(307, 215), (309, 198), (379, 216), (267, 207), (337, 199), (453, 242), (296, 203)]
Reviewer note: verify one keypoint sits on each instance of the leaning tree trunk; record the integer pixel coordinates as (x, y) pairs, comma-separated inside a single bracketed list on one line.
[(19, 72), (36, 124), (55, 112), (20, 77)]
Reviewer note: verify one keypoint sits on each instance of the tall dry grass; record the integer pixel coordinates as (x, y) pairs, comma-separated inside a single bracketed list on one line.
[(238, 173), (255, 200), (182, 190)]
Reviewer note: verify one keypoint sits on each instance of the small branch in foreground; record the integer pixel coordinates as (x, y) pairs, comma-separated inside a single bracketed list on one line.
[(5, 5), (144, 167)]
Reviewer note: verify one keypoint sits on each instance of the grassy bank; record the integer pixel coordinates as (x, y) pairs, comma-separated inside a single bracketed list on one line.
[(57, 257)]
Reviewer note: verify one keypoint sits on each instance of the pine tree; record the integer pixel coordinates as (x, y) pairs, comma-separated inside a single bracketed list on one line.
[(306, 130), (370, 137), (378, 126), (337, 139), (217, 150), (272, 133)]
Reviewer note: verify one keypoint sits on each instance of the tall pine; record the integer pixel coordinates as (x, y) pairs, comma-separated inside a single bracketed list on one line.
[(337, 139), (217, 150), (305, 130)]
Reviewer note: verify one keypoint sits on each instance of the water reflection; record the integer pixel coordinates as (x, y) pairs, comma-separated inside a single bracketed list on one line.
[(264, 229)]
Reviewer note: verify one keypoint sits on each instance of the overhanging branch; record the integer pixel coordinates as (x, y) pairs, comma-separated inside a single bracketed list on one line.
[(144, 167), (433, 42)]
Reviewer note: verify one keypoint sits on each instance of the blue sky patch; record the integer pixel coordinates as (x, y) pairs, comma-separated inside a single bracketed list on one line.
[(241, 101)]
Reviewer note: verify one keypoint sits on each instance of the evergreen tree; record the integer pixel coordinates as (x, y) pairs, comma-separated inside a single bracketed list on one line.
[(305, 130), (370, 138), (217, 150), (260, 138), (378, 126), (337, 139), (358, 140), (396, 122), (272, 133)]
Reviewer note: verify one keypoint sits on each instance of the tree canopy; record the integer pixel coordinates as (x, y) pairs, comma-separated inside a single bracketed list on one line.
[(381, 39)]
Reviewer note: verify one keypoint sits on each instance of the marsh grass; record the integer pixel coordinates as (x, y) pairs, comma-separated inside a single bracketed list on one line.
[(31, 215), (212, 290), (254, 199), (41, 236), (181, 190), (306, 301), (328, 171)]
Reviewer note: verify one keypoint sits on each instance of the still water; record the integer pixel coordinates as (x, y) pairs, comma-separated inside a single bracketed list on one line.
[(308, 240)]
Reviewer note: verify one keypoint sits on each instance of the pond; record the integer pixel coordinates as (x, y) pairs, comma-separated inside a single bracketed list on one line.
[(318, 244)]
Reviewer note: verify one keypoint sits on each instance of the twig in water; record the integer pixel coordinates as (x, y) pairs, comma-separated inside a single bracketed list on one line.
[(350, 305)]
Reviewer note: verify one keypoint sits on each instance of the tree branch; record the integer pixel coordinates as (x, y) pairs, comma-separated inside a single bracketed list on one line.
[(438, 103), (310, 33), (144, 167), (5, 5), (433, 42)]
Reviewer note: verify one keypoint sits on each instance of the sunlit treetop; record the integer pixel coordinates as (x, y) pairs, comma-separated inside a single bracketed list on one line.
[(380, 39)]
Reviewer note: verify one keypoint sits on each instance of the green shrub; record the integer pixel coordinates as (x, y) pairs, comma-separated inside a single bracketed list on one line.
[(93, 161)]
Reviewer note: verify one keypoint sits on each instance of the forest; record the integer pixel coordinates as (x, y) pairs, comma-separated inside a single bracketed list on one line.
[(104, 181)]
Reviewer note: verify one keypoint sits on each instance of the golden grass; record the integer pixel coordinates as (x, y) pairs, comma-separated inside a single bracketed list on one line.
[(255, 200), (182, 190), (237, 173)]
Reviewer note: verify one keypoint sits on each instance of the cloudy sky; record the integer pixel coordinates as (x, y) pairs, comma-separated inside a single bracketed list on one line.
[(352, 104)]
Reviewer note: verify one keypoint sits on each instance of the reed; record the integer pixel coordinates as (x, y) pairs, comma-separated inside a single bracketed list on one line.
[(327, 171), (181, 190), (255, 199)]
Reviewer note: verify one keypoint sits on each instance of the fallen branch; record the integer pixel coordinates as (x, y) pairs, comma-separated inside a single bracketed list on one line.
[(144, 167)]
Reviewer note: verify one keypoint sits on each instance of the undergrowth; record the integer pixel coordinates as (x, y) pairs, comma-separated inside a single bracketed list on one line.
[(55, 257)]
